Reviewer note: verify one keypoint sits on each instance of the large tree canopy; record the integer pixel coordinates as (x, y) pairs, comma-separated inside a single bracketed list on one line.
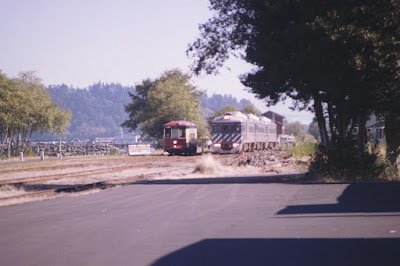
[(26, 107), (338, 58), (167, 98)]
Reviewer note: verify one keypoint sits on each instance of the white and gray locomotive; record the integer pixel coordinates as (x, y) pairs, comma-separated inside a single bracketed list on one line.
[(235, 132)]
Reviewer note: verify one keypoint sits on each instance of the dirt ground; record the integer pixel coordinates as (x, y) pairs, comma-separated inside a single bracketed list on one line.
[(19, 180)]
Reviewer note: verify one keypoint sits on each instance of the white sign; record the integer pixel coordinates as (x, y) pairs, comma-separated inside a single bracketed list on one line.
[(138, 149)]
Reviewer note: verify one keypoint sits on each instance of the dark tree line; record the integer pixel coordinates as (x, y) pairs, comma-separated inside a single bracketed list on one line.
[(98, 110), (339, 59), (216, 102)]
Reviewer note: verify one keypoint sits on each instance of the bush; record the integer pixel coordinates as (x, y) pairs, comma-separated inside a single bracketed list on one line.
[(341, 164), (301, 150), (29, 152), (114, 152)]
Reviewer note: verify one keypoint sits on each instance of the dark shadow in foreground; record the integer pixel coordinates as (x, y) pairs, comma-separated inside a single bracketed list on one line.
[(248, 179), (308, 252), (356, 198)]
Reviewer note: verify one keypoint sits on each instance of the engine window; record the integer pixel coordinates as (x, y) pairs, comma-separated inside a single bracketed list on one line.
[(226, 128), (236, 128), (216, 128)]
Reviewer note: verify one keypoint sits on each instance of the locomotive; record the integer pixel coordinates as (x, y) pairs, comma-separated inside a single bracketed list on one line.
[(180, 137), (233, 132)]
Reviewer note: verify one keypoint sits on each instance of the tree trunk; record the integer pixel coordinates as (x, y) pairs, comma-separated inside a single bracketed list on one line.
[(4, 138), (392, 133), (9, 145), (17, 146), (362, 139), (331, 121), (319, 114)]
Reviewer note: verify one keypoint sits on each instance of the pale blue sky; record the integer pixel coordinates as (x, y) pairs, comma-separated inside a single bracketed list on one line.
[(80, 42)]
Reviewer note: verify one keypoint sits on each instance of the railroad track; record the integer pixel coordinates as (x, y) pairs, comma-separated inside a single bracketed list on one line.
[(39, 187), (71, 175), (85, 187)]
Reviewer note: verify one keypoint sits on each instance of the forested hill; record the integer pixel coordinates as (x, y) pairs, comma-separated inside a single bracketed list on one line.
[(98, 111)]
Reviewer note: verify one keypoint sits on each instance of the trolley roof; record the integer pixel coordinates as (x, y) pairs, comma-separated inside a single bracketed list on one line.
[(180, 123)]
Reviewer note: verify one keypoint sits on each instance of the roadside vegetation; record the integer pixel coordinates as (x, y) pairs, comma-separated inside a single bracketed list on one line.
[(302, 150), (168, 98), (337, 59), (26, 108)]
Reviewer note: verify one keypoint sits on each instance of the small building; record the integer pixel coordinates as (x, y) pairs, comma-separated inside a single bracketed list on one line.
[(376, 132), (278, 120)]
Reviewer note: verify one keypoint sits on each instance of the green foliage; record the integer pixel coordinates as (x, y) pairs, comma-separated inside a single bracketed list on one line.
[(294, 128), (217, 102), (339, 58), (226, 109), (25, 108), (341, 164), (114, 152), (168, 98), (313, 129), (97, 111), (29, 152), (251, 109), (301, 150)]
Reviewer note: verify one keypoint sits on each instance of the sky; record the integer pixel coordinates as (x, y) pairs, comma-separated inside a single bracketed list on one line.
[(81, 42)]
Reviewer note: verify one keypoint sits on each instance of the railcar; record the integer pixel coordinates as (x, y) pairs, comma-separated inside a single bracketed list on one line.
[(180, 137), (235, 131)]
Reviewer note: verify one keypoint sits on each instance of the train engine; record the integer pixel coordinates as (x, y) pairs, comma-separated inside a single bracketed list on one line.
[(180, 137), (235, 131)]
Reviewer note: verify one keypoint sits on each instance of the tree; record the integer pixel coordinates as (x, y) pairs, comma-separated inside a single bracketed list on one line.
[(167, 98), (226, 109), (97, 110), (251, 109), (313, 129), (25, 108), (294, 128), (337, 58)]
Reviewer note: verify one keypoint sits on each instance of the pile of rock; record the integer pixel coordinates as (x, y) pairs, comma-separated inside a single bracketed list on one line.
[(271, 160)]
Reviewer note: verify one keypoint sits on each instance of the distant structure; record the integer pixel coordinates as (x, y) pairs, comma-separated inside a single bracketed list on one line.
[(376, 129), (278, 120), (131, 138)]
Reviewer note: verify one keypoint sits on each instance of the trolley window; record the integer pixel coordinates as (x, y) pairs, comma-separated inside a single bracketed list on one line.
[(226, 128), (178, 133), (167, 133)]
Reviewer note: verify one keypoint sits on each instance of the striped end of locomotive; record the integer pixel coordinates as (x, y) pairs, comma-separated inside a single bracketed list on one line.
[(227, 141)]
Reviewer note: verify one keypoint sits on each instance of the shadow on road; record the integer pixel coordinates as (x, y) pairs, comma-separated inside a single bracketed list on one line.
[(356, 198), (308, 252), (256, 179)]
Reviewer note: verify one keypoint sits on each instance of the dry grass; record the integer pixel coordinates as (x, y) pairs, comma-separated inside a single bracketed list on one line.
[(207, 165), (10, 191)]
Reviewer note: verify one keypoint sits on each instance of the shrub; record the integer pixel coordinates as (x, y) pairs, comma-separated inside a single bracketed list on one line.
[(301, 150), (29, 152), (341, 164)]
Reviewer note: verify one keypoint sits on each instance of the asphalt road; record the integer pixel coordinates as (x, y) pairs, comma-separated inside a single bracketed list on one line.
[(238, 221)]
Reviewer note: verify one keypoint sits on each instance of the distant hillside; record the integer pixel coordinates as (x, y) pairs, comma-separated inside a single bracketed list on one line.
[(98, 110), (217, 102)]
